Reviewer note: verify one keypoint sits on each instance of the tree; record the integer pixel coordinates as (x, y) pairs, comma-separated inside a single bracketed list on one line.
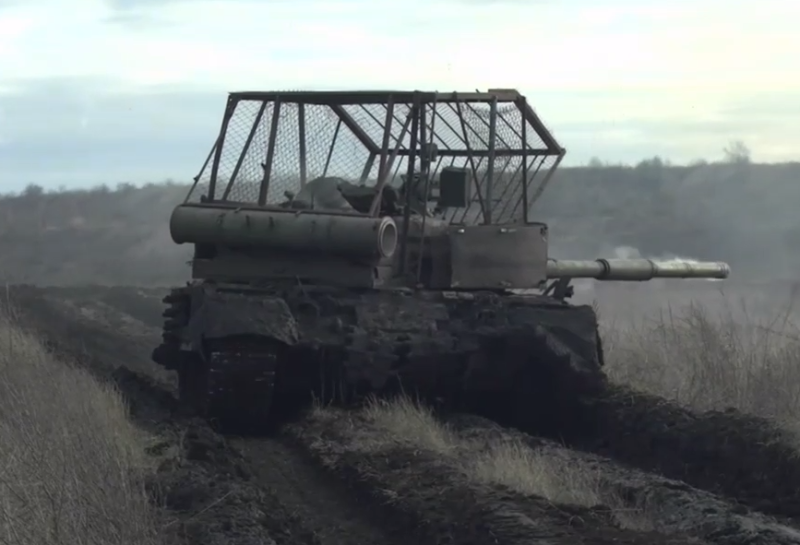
[(594, 162), (737, 153), (33, 190)]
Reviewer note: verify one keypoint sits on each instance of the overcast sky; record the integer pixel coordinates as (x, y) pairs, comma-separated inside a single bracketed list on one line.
[(132, 90)]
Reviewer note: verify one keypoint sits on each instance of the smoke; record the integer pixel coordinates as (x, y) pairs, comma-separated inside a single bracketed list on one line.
[(629, 252)]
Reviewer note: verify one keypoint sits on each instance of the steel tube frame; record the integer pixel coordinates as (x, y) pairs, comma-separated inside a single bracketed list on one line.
[(421, 134)]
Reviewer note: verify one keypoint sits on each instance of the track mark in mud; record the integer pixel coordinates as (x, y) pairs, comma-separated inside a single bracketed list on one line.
[(311, 495), (417, 489), (641, 499), (242, 491), (742, 457)]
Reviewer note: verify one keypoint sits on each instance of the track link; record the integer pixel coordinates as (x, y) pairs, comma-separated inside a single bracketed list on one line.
[(240, 382)]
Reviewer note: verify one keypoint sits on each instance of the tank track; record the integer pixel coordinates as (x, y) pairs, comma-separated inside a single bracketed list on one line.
[(501, 356), (241, 381), (231, 380)]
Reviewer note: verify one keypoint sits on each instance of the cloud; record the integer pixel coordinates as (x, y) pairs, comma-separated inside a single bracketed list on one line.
[(621, 81), (73, 132), (89, 131)]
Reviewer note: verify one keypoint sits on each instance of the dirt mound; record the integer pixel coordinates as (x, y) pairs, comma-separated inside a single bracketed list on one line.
[(739, 456), (644, 499), (102, 328), (419, 490), (210, 495)]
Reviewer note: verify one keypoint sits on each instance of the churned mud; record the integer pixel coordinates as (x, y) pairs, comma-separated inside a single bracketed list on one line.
[(638, 498), (653, 472), (744, 458), (421, 489)]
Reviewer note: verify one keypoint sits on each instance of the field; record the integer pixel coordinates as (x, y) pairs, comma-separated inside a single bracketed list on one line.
[(695, 441)]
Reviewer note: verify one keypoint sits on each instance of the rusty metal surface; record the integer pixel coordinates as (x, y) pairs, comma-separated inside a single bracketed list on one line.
[(503, 257)]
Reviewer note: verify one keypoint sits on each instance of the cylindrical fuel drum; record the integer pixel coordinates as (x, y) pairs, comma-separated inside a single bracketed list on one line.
[(339, 234)]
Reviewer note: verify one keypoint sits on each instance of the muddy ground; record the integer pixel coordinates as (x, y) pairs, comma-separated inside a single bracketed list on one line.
[(717, 478)]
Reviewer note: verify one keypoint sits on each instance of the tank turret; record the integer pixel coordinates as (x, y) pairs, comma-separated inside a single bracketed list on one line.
[(353, 243)]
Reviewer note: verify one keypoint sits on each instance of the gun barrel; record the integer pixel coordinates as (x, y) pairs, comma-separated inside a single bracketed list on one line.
[(635, 269)]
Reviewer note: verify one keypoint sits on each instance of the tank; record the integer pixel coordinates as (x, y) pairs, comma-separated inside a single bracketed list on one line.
[(360, 243)]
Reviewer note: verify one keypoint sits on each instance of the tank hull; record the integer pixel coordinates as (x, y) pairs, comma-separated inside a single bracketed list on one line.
[(249, 357)]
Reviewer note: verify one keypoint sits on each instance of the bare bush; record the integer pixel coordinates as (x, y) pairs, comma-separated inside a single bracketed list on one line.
[(71, 463)]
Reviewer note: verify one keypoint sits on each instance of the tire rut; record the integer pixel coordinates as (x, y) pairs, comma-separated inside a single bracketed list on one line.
[(328, 512), (738, 456)]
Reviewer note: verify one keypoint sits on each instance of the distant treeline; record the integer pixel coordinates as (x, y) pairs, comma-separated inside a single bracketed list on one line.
[(738, 211)]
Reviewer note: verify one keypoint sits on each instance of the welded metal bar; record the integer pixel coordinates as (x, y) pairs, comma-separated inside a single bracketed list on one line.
[(460, 113), (535, 173), (524, 138), (502, 152), (301, 134), (397, 119), (212, 183), (547, 177), (267, 166), (356, 129), (387, 133), (332, 146), (245, 149), (426, 190), (477, 181), (424, 158), (447, 124), (490, 167), (512, 184), (377, 97), (409, 175), (492, 106), (471, 161), (502, 117), (368, 164), (202, 169), (541, 131), (375, 207)]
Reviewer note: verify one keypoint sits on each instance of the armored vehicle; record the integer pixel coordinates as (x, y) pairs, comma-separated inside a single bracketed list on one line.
[(355, 243)]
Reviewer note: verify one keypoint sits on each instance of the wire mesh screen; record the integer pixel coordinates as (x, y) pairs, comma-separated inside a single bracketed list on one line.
[(346, 141)]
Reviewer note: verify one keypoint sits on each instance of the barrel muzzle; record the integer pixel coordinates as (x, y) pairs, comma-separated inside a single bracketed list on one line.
[(632, 270)]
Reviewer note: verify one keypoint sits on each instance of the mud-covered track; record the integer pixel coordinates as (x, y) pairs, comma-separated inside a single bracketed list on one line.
[(313, 497)]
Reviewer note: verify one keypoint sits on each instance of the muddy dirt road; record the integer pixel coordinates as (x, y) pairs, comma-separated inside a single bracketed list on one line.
[(720, 478)]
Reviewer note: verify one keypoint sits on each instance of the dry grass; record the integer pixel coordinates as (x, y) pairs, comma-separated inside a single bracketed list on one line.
[(505, 460), (70, 461), (712, 361), (508, 462)]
